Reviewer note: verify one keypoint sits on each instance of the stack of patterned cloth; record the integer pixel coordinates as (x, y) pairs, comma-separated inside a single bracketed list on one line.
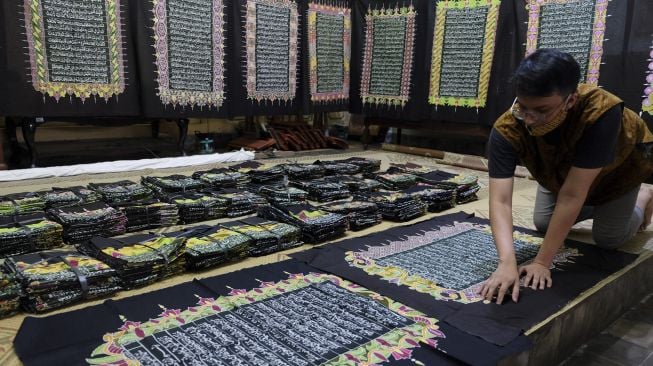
[(70, 196), (240, 203), (139, 259), (28, 233), (173, 184), (396, 206), (260, 173), (21, 204), (360, 214), (394, 181), (266, 236), (222, 178), (365, 165), (411, 168), (149, 214), (356, 184), (335, 167), (121, 191), (322, 190), (317, 225), (10, 293), (437, 199), (466, 185), (303, 171), (86, 221), (52, 279), (283, 195), (198, 206), (208, 246)]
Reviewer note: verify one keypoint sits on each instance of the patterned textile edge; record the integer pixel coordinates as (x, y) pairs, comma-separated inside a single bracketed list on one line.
[(399, 276), (647, 104), (486, 62), (250, 50), (188, 97), (396, 344), (35, 34), (391, 100), (598, 33), (345, 13)]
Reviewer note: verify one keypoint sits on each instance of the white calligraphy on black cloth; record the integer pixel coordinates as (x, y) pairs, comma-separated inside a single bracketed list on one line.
[(330, 62), (272, 52), (388, 55)]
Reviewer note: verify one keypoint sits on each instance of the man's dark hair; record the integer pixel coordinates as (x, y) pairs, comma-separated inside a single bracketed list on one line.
[(545, 72)]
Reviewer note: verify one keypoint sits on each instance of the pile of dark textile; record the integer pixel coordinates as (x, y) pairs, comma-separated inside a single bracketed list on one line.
[(222, 178), (198, 206), (355, 183), (28, 233), (52, 279), (10, 293), (365, 165), (149, 214), (241, 202), (70, 196), (361, 214), (335, 167), (21, 204), (396, 206), (316, 225), (139, 259), (303, 171), (466, 185), (259, 172), (164, 186), (86, 221), (283, 195), (208, 246), (322, 190), (437, 199), (266, 236), (121, 191), (394, 181), (411, 168)]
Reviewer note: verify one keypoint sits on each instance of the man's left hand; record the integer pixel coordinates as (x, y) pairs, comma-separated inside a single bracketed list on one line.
[(536, 276)]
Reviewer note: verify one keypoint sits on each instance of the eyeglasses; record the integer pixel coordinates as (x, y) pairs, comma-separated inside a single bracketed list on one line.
[(521, 115)]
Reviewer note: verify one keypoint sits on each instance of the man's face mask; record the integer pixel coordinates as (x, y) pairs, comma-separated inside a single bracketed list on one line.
[(541, 123)]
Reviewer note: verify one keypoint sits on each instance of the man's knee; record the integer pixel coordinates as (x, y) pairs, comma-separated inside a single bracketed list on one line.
[(610, 240), (541, 222)]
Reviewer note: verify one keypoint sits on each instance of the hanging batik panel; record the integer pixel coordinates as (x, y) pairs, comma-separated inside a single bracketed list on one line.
[(271, 46), (307, 319), (463, 48), (75, 47), (329, 48), (189, 51), (388, 56), (647, 104), (573, 26)]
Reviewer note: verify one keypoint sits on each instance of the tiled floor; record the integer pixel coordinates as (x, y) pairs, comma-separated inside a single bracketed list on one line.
[(627, 341)]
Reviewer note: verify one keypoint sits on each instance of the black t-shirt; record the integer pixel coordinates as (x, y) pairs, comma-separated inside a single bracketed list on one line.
[(595, 149)]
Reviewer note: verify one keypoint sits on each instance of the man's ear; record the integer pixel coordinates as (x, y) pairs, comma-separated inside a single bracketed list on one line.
[(573, 98)]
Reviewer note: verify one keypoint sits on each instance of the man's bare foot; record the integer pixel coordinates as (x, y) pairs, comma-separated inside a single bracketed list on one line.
[(645, 202)]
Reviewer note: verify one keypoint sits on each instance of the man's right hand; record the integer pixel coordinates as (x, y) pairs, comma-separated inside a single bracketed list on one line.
[(500, 282)]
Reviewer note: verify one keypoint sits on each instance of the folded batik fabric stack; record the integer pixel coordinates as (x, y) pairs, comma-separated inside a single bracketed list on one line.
[(466, 185), (86, 221), (139, 259), (303, 171), (360, 214), (396, 206), (52, 279), (11, 292), (365, 165), (316, 225), (355, 183), (29, 233), (173, 184), (437, 199), (266, 236), (260, 173), (335, 167), (394, 181), (222, 178), (21, 204), (70, 196), (322, 190), (283, 195), (240, 202), (149, 214), (208, 246), (122, 191), (198, 206), (411, 168)]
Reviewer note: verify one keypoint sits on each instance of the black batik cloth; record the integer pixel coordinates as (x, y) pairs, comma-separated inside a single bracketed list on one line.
[(11, 292), (149, 214), (360, 214), (240, 202), (83, 222), (466, 185), (71, 338), (497, 324), (163, 186), (208, 246), (21, 204), (56, 278), (28, 233), (317, 225), (266, 236), (322, 190), (393, 180), (303, 171), (121, 191), (411, 168), (259, 172), (222, 178), (355, 183), (366, 165), (198, 206), (283, 195), (70, 196), (395, 206), (139, 259), (336, 167), (437, 199)]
